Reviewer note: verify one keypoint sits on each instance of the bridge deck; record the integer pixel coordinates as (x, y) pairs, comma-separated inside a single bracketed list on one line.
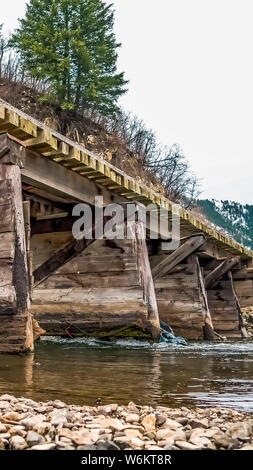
[(75, 158)]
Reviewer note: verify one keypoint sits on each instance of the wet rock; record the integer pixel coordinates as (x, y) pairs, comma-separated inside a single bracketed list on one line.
[(107, 436), (112, 423), (153, 447), (170, 447), (4, 405), (17, 431), (87, 447), (182, 421), (109, 409), (160, 419), (137, 443), (42, 428), (33, 438), (183, 445), (3, 428), (132, 418), (12, 416), (198, 423), (200, 441), (7, 397), (5, 436), (184, 409), (165, 442), (221, 440), (239, 430), (133, 433), (164, 434), (247, 447), (150, 435), (234, 444), (149, 422), (58, 419), (83, 437), (122, 442), (30, 423), (18, 443), (48, 446)]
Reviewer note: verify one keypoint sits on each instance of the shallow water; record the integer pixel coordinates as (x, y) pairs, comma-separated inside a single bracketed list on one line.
[(81, 370)]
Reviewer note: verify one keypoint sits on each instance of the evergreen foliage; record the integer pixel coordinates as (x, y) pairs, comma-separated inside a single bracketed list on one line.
[(70, 44), (236, 219)]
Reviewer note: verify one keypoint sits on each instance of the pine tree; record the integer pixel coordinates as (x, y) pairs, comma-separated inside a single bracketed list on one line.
[(3, 48), (71, 45)]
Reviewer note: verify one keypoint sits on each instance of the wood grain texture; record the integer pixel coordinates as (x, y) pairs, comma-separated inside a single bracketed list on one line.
[(177, 256), (14, 295), (219, 271)]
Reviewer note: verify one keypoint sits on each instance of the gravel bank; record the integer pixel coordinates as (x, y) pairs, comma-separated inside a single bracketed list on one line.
[(28, 425)]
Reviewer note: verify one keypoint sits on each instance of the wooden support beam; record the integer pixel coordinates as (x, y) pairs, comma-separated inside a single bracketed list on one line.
[(208, 331), (62, 224), (57, 180), (153, 322), (190, 246), (219, 271), (242, 325), (44, 142), (27, 222), (19, 312), (11, 152), (73, 249), (243, 274)]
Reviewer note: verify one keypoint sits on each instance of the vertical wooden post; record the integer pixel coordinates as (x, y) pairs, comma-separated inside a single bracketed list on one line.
[(27, 221), (242, 326), (153, 323), (208, 331), (18, 325)]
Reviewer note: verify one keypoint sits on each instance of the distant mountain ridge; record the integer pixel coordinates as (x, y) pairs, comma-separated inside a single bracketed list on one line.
[(235, 219)]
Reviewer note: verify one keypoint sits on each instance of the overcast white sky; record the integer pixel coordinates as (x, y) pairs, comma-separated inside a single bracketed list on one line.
[(190, 66)]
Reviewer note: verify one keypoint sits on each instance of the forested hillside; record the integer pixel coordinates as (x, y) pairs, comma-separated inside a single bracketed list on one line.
[(234, 218)]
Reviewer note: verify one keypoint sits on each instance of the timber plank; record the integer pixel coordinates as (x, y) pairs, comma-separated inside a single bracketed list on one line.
[(177, 256), (91, 280), (217, 273)]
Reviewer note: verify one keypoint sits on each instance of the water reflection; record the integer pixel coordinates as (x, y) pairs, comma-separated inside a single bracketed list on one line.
[(83, 370)]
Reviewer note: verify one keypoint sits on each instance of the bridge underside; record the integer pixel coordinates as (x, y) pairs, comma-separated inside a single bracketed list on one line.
[(103, 288)]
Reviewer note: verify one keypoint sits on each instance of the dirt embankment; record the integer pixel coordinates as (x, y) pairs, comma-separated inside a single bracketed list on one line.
[(80, 129)]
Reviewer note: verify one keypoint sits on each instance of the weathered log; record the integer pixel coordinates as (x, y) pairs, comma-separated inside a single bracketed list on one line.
[(153, 323), (219, 271), (172, 260), (11, 152), (27, 221), (16, 257), (37, 330), (62, 224), (208, 332), (242, 325)]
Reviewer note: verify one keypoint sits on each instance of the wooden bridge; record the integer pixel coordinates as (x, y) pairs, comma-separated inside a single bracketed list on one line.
[(102, 287)]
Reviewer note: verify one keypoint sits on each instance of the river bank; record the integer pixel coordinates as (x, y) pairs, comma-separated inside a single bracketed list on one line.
[(26, 424)]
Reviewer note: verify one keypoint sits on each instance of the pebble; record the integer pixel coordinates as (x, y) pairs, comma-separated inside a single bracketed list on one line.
[(25, 424), (18, 443), (33, 438), (149, 422)]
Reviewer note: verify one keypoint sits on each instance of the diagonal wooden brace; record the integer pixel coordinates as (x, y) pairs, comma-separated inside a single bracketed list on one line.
[(190, 246)]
